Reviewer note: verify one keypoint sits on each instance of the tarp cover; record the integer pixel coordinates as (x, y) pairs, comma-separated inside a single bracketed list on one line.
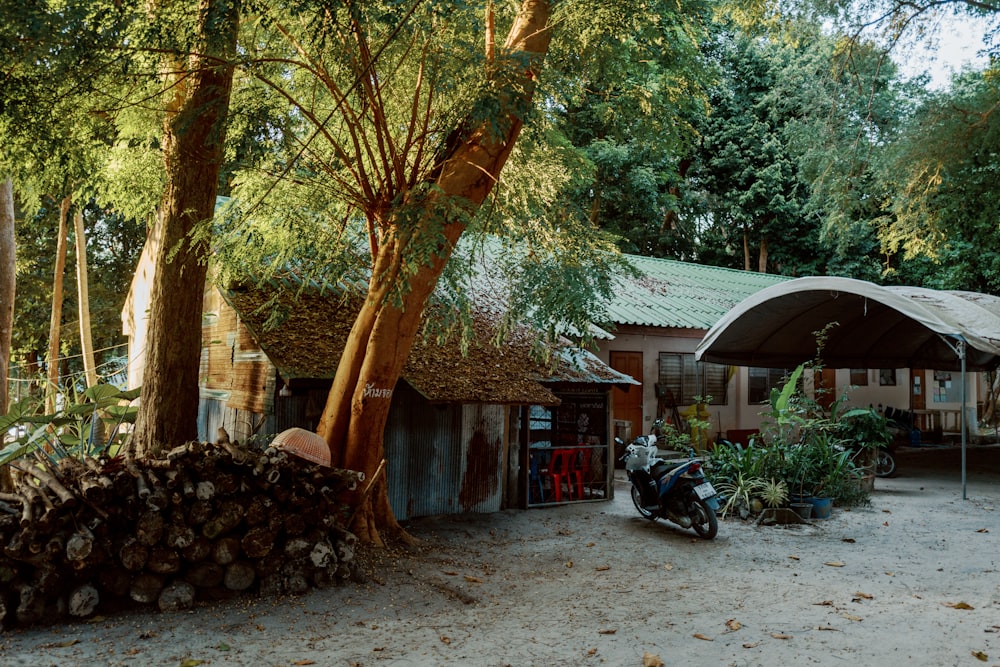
[(869, 327)]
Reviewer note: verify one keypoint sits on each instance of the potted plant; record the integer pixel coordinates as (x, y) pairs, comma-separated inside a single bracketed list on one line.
[(774, 493), (864, 431)]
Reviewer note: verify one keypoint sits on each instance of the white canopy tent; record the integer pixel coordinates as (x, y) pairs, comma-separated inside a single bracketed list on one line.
[(864, 326)]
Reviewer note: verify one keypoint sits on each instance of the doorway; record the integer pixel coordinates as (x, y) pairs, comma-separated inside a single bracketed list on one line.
[(628, 402), (918, 399), (825, 383)]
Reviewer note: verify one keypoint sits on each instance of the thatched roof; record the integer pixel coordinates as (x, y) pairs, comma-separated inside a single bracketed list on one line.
[(304, 337)]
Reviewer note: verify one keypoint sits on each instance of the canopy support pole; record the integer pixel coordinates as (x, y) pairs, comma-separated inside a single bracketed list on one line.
[(959, 348)]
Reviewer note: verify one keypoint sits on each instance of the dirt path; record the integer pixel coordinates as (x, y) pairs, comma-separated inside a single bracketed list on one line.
[(913, 579)]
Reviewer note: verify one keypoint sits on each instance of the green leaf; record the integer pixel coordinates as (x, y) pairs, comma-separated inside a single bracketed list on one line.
[(17, 451), (780, 400), (122, 413), (105, 394)]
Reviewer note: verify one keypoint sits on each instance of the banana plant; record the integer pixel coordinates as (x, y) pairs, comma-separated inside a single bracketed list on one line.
[(76, 430)]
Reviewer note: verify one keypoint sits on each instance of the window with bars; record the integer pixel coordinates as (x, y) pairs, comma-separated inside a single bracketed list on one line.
[(688, 379), (762, 381)]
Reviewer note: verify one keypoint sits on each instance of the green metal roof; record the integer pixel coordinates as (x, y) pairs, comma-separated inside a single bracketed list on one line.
[(669, 293)]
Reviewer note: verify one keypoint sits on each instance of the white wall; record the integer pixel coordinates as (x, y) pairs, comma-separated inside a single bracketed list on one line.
[(738, 413)]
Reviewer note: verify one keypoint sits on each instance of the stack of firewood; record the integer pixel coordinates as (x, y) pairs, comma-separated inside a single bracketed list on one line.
[(204, 522)]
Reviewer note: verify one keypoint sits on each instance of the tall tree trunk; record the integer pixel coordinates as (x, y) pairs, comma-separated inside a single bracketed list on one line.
[(52, 388), (354, 418), (762, 257), (83, 297), (8, 275), (194, 134), (746, 249)]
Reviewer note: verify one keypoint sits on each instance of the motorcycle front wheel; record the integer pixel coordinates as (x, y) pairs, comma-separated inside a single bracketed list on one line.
[(703, 519), (637, 501), (885, 463)]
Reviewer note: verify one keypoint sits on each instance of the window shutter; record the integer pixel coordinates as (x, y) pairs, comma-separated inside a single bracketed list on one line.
[(716, 383), (671, 375)]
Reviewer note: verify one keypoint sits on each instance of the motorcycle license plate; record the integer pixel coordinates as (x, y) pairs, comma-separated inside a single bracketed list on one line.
[(705, 490)]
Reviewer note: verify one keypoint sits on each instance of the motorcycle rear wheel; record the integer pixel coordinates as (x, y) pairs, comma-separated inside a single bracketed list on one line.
[(885, 463), (637, 501), (703, 519)]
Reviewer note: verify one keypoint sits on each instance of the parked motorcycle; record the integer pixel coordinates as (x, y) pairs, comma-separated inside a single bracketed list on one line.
[(885, 462), (675, 492)]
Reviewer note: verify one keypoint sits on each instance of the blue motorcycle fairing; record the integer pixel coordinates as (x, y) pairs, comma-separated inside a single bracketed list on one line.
[(667, 482)]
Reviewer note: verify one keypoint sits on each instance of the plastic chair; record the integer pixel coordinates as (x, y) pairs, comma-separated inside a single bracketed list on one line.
[(563, 469), (535, 477)]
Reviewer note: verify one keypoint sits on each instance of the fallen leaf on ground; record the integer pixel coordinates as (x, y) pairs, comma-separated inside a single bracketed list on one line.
[(890, 574), (794, 557), (979, 655), (592, 651), (849, 540), (445, 640), (191, 663), (607, 631), (824, 603), (451, 573), (886, 512), (569, 563), (651, 660), (698, 635), (751, 645), (834, 563), (304, 662), (958, 605), (473, 580), (849, 617), (591, 544), (778, 635), (827, 627), (733, 624), (668, 566), (864, 596), (603, 568), (982, 530)]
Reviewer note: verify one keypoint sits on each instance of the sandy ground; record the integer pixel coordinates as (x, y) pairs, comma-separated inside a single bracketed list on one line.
[(911, 580)]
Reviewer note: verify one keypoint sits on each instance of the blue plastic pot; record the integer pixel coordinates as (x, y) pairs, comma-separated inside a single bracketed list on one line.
[(822, 507)]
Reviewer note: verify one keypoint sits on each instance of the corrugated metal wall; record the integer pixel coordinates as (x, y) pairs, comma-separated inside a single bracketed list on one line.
[(443, 459), (483, 435), (243, 425)]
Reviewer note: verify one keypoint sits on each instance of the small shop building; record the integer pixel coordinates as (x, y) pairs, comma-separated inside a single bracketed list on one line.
[(475, 430)]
